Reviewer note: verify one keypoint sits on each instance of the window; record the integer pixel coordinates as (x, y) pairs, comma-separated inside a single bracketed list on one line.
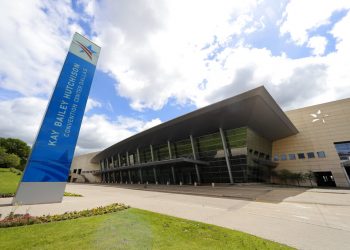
[(275, 158), (321, 154), (292, 156), (74, 171), (343, 150), (301, 155), (79, 171), (256, 153), (310, 155), (283, 157)]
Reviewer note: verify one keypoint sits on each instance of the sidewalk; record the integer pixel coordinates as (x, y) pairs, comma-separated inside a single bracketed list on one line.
[(254, 192), (302, 218)]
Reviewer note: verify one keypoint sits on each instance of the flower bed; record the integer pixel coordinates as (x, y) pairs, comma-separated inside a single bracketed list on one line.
[(6, 195), (14, 220), (72, 194)]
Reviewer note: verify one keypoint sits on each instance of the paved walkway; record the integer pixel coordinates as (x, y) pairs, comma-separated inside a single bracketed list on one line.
[(305, 219)]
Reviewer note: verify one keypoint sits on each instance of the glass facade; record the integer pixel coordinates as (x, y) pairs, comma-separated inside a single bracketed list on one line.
[(343, 150), (210, 149), (248, 155)]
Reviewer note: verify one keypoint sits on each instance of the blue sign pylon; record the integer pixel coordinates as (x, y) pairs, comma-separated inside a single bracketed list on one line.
[(45, 176)]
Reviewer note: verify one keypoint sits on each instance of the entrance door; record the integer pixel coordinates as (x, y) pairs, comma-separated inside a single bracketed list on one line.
[(347, 169), (325, 179)]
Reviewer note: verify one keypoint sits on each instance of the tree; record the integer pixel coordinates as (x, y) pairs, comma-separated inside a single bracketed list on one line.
[(2, 156), (298, 177), (12, 160), (309, 175), (17, 147), (285, 175), (8, 160)]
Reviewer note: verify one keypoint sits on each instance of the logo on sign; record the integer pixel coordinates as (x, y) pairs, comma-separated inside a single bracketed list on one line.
[(86, 49)]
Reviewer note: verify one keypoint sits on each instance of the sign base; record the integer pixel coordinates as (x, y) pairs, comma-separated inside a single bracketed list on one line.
[(30, 193)]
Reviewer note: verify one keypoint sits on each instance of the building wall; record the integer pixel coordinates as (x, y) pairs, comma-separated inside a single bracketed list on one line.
[(333, 125), (83, 162)]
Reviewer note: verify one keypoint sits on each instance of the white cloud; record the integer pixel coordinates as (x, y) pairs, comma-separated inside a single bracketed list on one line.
[(287, 79), (168, 57), (158, 51), (91, 104), (318, 44), (300, 17), (98, 131), (339, 74), (35, 37), (21, 118), (154, 49)]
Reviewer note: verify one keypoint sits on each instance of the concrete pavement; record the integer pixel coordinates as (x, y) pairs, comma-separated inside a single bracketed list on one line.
[(305, 219)]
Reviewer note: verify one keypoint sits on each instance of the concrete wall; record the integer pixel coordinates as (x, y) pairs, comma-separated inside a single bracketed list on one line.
[(83, 162), (317, 136)]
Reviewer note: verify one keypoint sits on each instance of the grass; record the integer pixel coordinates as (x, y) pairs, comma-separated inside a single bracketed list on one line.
[(129, 229), (8, 181)]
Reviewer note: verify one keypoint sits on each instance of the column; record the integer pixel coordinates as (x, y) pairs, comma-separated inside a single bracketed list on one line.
[(121, 176), (138, 156), (226, 154), (129, 176), (113, 162), (140, 173), (173, 172), (152, 156), (127, 159), (169, 148), (155, 175), (195, 158), (119, 161), (101, 168), (105, 173)]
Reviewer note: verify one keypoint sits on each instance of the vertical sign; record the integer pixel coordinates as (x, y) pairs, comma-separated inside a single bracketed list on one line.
[(45, 176)]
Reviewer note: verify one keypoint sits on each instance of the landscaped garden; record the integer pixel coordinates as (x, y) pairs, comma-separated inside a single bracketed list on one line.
[(115, 227), (9, 179), (129, 229)]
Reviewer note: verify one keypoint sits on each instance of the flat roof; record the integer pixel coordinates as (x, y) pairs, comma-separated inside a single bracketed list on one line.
[(255, 109)]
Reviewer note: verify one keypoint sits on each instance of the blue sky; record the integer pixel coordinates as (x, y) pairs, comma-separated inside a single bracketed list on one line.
[(162, 59)]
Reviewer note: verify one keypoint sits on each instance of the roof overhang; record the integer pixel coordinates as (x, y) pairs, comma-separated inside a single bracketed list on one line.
[(172, 162), (255, 109)]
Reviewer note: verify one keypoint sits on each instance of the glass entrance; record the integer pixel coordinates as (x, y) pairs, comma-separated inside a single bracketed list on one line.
[(325, 179)]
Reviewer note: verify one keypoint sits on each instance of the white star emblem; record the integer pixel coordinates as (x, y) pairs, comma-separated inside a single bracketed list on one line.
[(319, 117)]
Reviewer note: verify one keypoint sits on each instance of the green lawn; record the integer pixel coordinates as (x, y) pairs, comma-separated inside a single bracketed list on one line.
[(8, 181), (129, 229)]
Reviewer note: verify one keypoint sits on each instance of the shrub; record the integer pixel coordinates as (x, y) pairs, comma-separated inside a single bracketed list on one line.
[(16, 171), (285, 175), (14, 220), (298, 177), (309, 175), (72, 194)]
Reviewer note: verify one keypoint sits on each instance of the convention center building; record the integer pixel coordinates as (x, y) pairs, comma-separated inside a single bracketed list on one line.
[(245, 138)]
